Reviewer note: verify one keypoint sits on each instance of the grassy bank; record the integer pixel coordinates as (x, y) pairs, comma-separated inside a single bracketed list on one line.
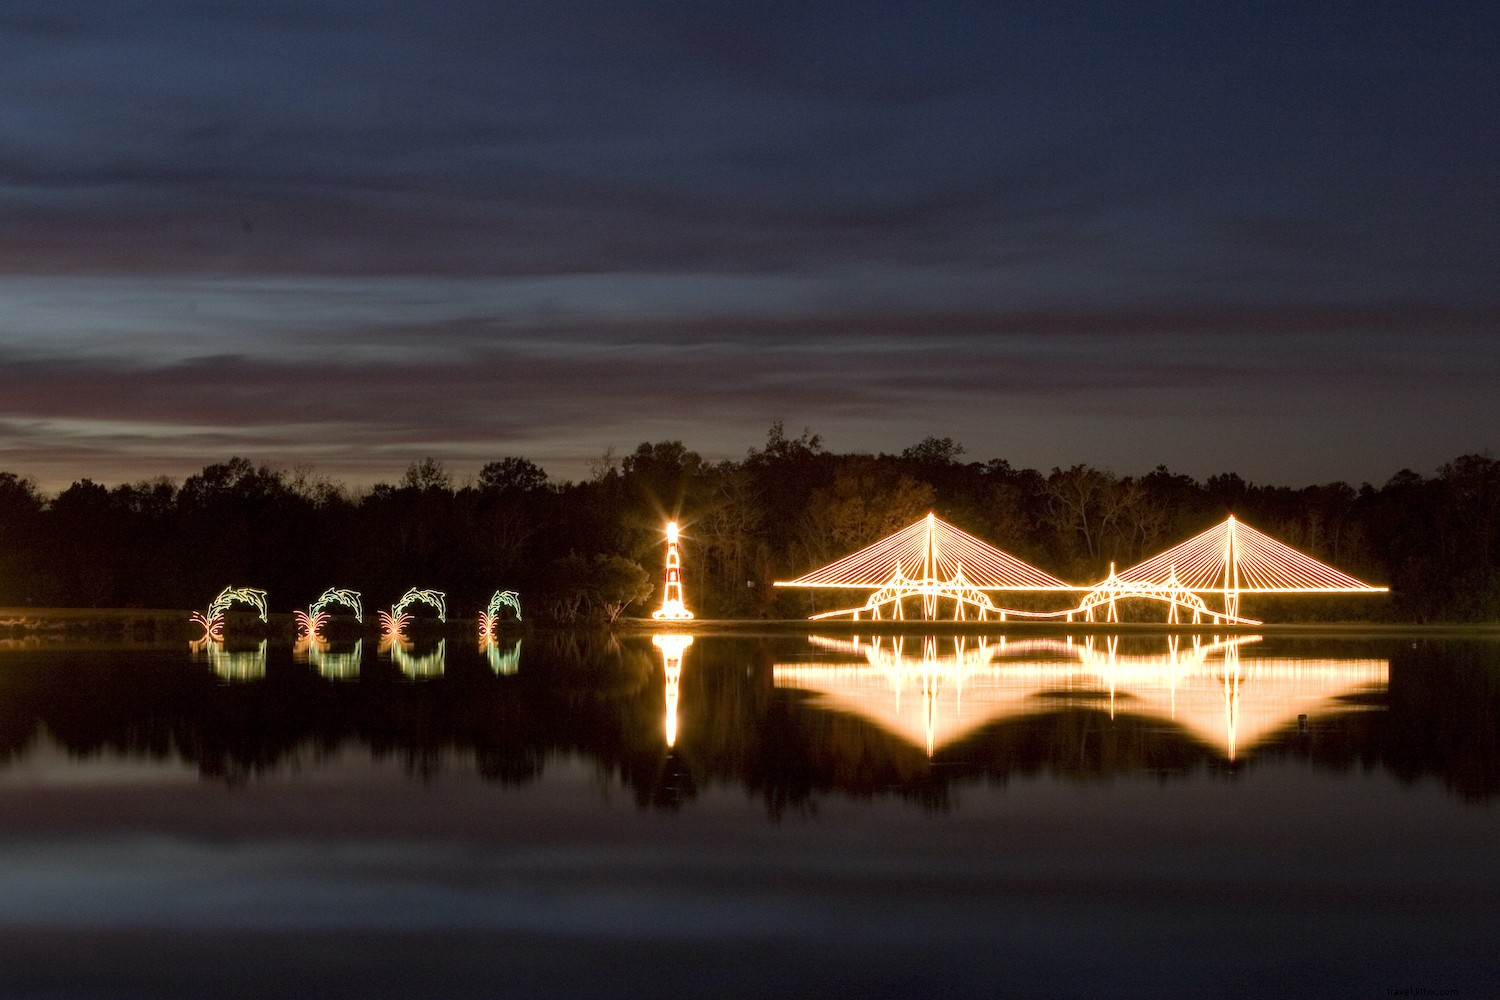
[(798, 626), (160, 624)]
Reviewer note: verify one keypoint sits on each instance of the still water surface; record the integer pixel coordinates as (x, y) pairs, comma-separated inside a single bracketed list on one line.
[(752, 816)]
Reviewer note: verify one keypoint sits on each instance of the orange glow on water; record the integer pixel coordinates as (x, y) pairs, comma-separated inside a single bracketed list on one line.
[(672, 645), (954, 686)]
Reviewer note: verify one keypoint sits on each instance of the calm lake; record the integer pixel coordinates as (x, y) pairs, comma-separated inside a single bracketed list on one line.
[(752, 816)]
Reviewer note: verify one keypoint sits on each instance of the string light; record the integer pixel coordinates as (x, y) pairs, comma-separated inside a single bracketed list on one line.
[(489, 622), (394, 622), (1233, 558), (931, 560), (212, 621), (935, 561), (311, 621), (672, 606)]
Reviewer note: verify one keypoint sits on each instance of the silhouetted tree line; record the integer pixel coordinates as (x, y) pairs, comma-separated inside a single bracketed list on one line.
[(591, 550)]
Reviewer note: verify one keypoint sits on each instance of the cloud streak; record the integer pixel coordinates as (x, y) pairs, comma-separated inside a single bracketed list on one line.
[(325, 230)]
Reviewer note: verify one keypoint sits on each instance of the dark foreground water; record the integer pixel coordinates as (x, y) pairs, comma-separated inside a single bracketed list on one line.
[(759, 817)]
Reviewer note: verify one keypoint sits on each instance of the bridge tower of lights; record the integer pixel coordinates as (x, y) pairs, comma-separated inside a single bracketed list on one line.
[(672, 607)]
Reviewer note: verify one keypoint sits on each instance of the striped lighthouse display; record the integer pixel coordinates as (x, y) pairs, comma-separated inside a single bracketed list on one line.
[(672, 608)]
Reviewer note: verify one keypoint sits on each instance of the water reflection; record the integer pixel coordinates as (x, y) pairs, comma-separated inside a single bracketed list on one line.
[(503, 660), (232, 665), (336, 665), (672, 646), (387, 825), (783, 718), (950, 687), (418, 666)]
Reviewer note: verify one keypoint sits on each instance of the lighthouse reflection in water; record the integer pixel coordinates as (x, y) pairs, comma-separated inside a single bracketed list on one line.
[(672, 646), (933, 691)]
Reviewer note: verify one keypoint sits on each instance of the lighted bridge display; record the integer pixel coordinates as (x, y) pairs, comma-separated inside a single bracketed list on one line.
[(936, 562), (930, 560), (1228, 560)]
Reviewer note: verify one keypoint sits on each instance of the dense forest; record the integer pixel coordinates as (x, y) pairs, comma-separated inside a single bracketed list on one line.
[(592, 550)]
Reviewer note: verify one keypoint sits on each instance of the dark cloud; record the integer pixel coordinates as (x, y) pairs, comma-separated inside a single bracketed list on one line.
[(290, 228), (561, 391)]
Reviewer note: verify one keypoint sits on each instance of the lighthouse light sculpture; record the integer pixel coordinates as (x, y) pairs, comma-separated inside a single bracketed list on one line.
[(672, 608)]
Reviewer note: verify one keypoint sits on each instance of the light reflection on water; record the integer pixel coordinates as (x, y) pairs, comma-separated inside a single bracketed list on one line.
[(503, 658), (957, 700), (428, 664), (231, 664), (673, 646), (934, 691), (945, 812), (331, 662)]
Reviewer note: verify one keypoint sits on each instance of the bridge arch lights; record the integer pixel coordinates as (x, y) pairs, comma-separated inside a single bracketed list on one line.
[(1109, 592), (212, 620)]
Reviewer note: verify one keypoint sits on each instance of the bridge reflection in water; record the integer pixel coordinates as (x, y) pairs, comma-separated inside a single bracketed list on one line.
[(934, 691)]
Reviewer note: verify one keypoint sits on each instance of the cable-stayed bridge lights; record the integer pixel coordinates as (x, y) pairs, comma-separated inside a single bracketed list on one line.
[(934, 561)]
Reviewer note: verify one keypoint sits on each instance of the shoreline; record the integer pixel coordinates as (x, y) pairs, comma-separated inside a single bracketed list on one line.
[(734, 626), (162, 624)]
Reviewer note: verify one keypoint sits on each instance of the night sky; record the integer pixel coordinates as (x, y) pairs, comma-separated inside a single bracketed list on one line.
[(1257, 238)]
